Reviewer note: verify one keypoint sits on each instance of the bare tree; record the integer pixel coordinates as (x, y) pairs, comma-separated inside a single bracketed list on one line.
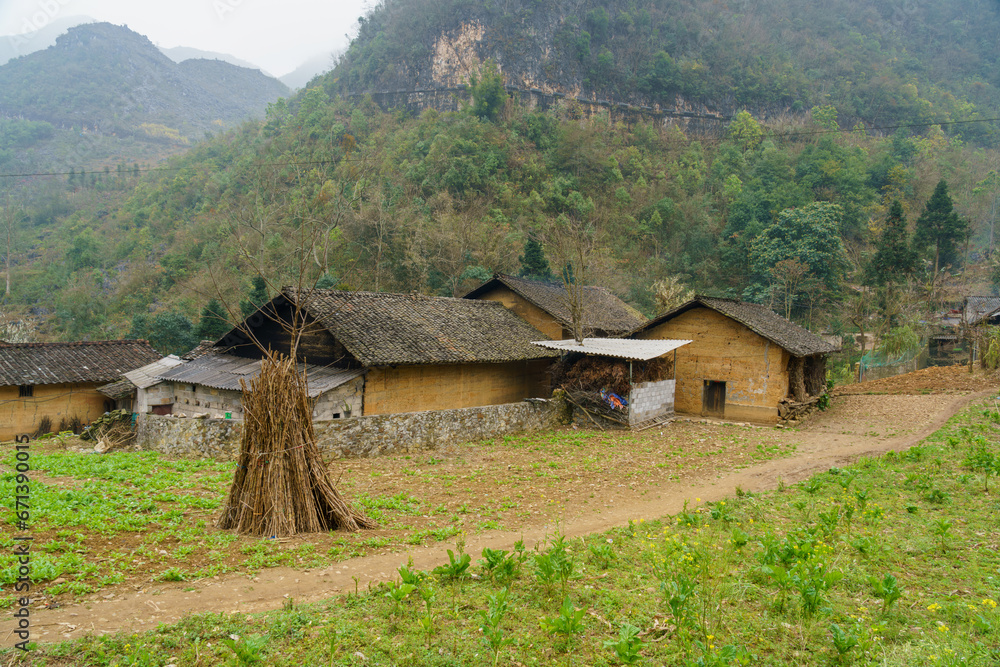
[(576, 246), (9, 216)]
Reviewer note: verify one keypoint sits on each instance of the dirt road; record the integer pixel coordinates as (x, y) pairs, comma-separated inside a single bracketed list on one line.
[(854, 426)]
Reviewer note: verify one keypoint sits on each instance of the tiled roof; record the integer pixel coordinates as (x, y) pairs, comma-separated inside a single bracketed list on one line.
[(761, 320), (117, 390), (200, 350), (978, 308), (57, 363), (223, 371), (381, 329), (603, 311)]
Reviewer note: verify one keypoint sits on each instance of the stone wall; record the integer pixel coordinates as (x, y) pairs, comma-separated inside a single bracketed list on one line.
[(649, 400), (187, 437), (354, 437)]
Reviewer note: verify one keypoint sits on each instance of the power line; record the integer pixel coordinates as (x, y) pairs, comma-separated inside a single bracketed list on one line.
[(883, 127), (318, 162), (156, 169)]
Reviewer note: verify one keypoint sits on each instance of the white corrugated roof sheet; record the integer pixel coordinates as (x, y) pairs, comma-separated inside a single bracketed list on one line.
[(146, 376), (625, 348)]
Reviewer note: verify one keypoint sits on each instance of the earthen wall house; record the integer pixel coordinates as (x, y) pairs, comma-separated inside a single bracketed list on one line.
[(59, 381), (743, 361), (416, 353), (545, 306)]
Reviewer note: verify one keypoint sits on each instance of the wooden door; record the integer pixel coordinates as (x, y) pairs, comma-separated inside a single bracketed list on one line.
[(713, 402)]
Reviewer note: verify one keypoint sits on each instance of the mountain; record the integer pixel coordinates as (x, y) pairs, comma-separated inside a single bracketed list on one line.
[(107, 78), (309, 70), (181, 53), (881, 63), (38, 38), (332, 186)]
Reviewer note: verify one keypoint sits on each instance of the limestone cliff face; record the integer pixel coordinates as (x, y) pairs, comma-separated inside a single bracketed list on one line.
[(527, 40)]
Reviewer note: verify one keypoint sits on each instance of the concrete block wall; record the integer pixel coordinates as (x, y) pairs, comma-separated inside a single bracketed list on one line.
[(649, 400)]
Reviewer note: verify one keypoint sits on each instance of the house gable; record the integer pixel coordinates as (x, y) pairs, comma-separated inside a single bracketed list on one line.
[(723, 350), (526, 310)]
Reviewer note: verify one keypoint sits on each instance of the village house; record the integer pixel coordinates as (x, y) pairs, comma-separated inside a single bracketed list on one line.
[(546, 306), (744, 360), (408, 353), (54, 386), (211, 386)]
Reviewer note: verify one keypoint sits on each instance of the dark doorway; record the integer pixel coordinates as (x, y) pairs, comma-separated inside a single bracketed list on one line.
[(163, 410), (713, 401)]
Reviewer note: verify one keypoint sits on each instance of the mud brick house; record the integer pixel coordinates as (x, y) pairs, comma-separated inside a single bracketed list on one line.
[(415, 352), (58, 382), (743, 360), (545, 306)]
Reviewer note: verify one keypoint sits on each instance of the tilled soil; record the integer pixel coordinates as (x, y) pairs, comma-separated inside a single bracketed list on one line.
[(934, 380), (529, 490)]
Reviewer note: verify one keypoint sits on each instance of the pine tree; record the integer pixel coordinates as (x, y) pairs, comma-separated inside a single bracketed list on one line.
[(214, 322), (941, 228), (894, 259), (256, 298), (534, 264)]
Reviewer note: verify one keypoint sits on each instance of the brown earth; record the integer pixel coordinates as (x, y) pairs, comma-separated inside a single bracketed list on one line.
[(932, 380), (531, 490)]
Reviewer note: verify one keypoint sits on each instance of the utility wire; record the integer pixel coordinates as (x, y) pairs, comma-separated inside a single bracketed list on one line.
[(155, 169), (318, 162), (883, 127)]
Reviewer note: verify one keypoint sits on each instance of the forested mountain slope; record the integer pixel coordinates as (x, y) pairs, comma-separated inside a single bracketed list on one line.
[(882, 62), (107, 78), (787, 211)]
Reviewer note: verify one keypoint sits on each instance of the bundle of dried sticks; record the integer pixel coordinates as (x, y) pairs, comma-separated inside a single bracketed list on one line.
[(282, 486)]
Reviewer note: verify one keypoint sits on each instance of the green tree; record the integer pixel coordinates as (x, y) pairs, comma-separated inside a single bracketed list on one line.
[(168, 333), (534, 264), (894, 259), (488, 92), (745, 131), (810, 235), (256, 298), (940, 228), (214, 322)]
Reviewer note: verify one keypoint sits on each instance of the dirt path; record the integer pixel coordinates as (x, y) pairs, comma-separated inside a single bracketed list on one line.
[(853, 427)]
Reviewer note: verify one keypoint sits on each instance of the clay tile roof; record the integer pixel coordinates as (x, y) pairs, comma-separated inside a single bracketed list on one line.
[(603, 311), (57, 363), (117, 390), (761, 320), (200, 350), (381, 329)]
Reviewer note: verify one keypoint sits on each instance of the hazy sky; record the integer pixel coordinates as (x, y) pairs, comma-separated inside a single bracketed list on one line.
[(277, 35)]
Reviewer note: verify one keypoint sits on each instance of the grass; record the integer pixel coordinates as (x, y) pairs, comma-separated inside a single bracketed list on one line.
[(97, 520), (836, 570)]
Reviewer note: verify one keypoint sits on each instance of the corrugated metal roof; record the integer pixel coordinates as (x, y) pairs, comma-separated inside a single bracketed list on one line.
[(223, 371), (624, 348), (979, 308), (146, 376)]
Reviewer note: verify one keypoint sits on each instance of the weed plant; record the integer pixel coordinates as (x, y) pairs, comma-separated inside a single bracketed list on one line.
[(861, 580)]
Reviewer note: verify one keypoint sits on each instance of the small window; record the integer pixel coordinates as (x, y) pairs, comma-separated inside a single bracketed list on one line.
[(26, 391)]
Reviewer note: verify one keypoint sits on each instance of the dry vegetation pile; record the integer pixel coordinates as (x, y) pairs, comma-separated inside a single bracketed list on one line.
[(281, 486), (596, 373), (933, 380)]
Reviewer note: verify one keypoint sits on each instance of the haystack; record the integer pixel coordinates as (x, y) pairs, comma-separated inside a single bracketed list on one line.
[(281, 486)]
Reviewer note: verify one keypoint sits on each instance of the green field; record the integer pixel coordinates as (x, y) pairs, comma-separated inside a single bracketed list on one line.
[(892, 561)]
